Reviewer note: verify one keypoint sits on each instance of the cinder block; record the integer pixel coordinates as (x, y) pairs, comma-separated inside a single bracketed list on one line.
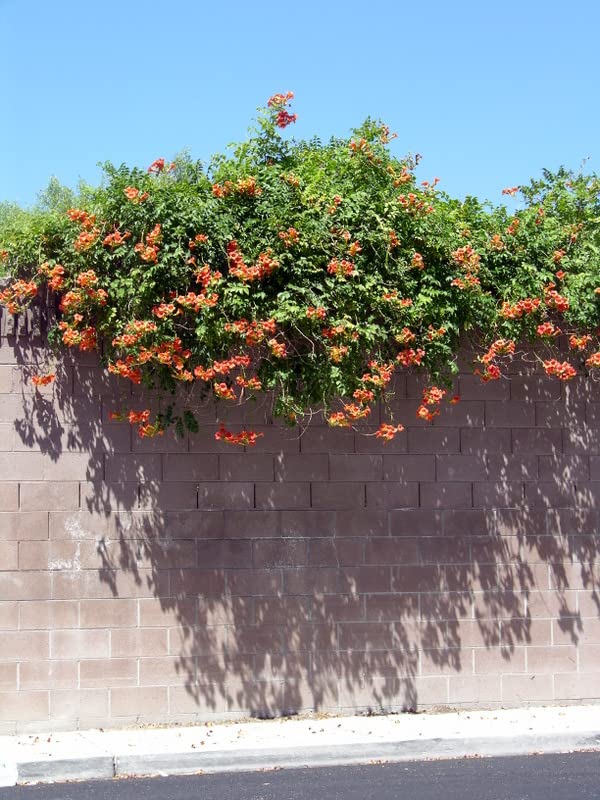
[(460, 468), (193, 524), (551, 660), (104, 673), (433, 440), (387, 495), (573, 630), (564, 468), (465, 522), (302, 467), (338, 608), (260, 582), (277, 439), (48, 615), (283, 495), (580, 686), (444, 550), (24, 706), (589, 658), (498, 494), (445, 606), (9, 496), (481, 441), (478, 690), (445, 661), (308, 524), (355, 467), (313, 581), (365, 440), (418, 578), (44, 675), (499, 604), (336, 552), (197, 582), (338, 495), (23, 526), (115, 613), (168, 443), (133, 467), (525, 522), (523, 689), (288, 611), (138, 642), (471, 387), (409, 467), (190, 467), (139, 701), (446, 495), (169, 671), (272, 553), (321, 439), (25, 645), (79, 644), (8, 677), (51, 555), (79, 525), (76, 467), (9, 616), (367, 636), (467, 633), (307, 638), (499, 661), (391, 550), (221, 496), (168, 612), (571, 522), (246, 467), (509, 467), (224, 553), (25, 586), (103, 498), (358, 580), (530, 388), (578, 438), (587, 494), (550, 495), (509, 414), (362, 522), (466, 412), (392, 608), (9, 556), (169, 496), (251, 524), (537, 440), (49, 496), (257, 639), (415, 522)]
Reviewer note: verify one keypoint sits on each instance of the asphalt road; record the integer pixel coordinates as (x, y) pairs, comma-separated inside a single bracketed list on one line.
[(554, 777)]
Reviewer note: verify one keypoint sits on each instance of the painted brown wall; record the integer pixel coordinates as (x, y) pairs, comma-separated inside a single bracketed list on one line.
[(166, 580)]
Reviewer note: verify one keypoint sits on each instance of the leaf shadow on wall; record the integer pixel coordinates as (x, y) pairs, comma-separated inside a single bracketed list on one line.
[(246, 606)]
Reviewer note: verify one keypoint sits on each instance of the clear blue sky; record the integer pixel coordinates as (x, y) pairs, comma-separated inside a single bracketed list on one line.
[(488, 92)]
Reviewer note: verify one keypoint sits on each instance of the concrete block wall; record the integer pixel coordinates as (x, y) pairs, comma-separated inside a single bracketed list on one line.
[(180, 580)]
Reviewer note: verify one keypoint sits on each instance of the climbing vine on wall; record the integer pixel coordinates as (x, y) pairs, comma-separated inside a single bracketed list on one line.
[(314, 272)]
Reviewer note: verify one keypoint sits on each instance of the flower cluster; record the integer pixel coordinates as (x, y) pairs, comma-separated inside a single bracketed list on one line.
[(18, 296), (43, 380), (244, 437), (264, 266), (562, 369)]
